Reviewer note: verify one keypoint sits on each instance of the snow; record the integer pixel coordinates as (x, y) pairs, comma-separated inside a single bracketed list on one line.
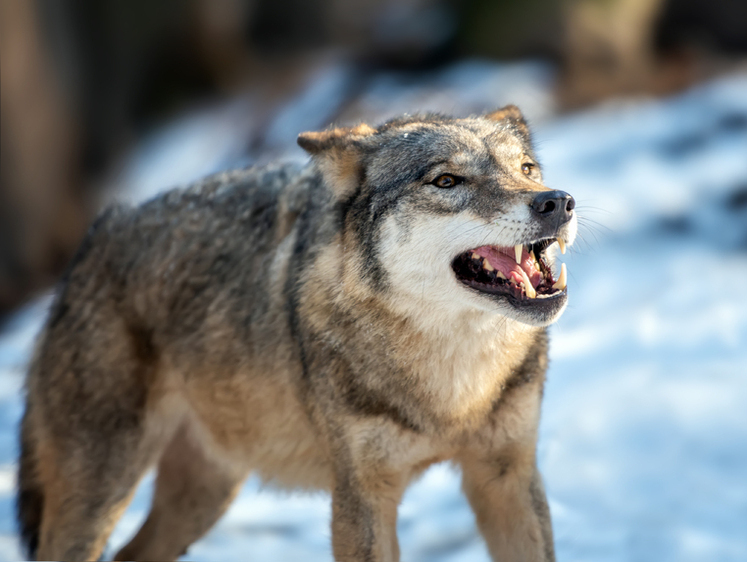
[(643, 439)]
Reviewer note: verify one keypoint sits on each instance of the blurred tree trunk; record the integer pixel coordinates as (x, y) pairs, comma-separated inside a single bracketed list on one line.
[(42, 214), (608, 48)]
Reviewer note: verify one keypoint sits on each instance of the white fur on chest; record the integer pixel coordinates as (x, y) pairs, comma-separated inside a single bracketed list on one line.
[(463, 364), (468, 346)]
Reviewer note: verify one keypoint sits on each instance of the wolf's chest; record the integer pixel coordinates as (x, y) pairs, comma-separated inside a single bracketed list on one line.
[(460, 378)]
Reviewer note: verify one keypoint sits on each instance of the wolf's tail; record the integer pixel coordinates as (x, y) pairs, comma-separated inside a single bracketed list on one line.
[(30, 498)]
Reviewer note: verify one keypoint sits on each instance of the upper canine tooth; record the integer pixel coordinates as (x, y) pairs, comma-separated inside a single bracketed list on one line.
[(486, 265), (475, 256), (500, 275), (518, 250), (561, 282), (561, 243), (528, 287)]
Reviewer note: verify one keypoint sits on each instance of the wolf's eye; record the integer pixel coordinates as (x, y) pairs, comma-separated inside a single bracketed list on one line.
[(446, 180), (527, 168)]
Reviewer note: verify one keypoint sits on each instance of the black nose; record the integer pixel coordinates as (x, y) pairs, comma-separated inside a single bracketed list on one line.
[(556, 206)]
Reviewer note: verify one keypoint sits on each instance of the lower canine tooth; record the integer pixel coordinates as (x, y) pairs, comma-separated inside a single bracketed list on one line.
[(518, 250), (528, 287), (561, 282), (486, 265), (499, 274), (561, 243)]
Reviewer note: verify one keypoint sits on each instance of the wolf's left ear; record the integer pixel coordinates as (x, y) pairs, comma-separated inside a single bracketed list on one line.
[(513, 115), (339, 138), (338, 154)]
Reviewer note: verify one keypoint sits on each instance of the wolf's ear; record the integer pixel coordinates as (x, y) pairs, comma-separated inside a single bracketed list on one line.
[(507, 112), (513, 115), (338, 154), (340, 138)]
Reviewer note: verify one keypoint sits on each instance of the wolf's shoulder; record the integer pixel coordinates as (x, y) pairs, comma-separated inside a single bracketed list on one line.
[(239, 188), (232, 206), (219, 200)]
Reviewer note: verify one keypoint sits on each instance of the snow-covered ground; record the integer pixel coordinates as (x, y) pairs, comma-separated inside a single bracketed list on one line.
[(643, 441)]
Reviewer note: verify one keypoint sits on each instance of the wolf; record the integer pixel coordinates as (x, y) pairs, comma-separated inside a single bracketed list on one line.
[(340, 325)]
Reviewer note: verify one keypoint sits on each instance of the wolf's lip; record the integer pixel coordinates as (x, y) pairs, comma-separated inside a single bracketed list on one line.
[(520, 272)]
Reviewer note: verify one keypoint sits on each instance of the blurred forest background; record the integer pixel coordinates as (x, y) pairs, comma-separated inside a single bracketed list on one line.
[(84, 80), (639, 109)]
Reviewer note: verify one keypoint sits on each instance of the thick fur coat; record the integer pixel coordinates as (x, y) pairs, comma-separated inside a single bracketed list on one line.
[(314, 325)]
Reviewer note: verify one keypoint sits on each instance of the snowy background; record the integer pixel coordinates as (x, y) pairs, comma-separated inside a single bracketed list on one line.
[(643, 442)]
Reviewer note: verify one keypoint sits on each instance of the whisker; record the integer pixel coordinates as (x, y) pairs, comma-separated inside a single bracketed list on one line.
[(595, 209), (583, 241), (591, 232), (591, 223)]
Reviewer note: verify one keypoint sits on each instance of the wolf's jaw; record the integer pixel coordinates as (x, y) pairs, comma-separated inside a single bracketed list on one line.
[(521, 272)]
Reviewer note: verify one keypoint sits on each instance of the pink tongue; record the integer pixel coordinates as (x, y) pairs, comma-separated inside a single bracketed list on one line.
[(504, 260)]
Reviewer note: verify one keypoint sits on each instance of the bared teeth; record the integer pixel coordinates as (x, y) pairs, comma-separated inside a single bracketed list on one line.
[(562, 280), (518, 250), (561, 243), (486, 265), (534, 259), (528, 287)]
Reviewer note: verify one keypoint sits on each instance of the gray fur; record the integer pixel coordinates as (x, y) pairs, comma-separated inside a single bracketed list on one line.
[(255, 320)]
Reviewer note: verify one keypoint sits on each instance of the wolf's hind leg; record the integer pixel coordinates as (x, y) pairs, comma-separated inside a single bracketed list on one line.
[(192, 491), (77, 524), (87, 485), (99, 412)]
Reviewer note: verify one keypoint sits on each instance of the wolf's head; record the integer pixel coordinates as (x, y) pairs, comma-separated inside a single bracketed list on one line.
[(444, 215)]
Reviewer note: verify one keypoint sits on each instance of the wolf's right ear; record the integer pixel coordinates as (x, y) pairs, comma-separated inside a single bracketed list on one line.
[(512, 115), (338, 154)]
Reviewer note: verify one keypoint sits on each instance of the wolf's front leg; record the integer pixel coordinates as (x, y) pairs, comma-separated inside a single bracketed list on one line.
[(364, 524), (371, 472), (507, 496)]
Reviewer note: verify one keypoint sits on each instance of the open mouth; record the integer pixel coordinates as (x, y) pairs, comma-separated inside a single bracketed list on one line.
[(521, 272)]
